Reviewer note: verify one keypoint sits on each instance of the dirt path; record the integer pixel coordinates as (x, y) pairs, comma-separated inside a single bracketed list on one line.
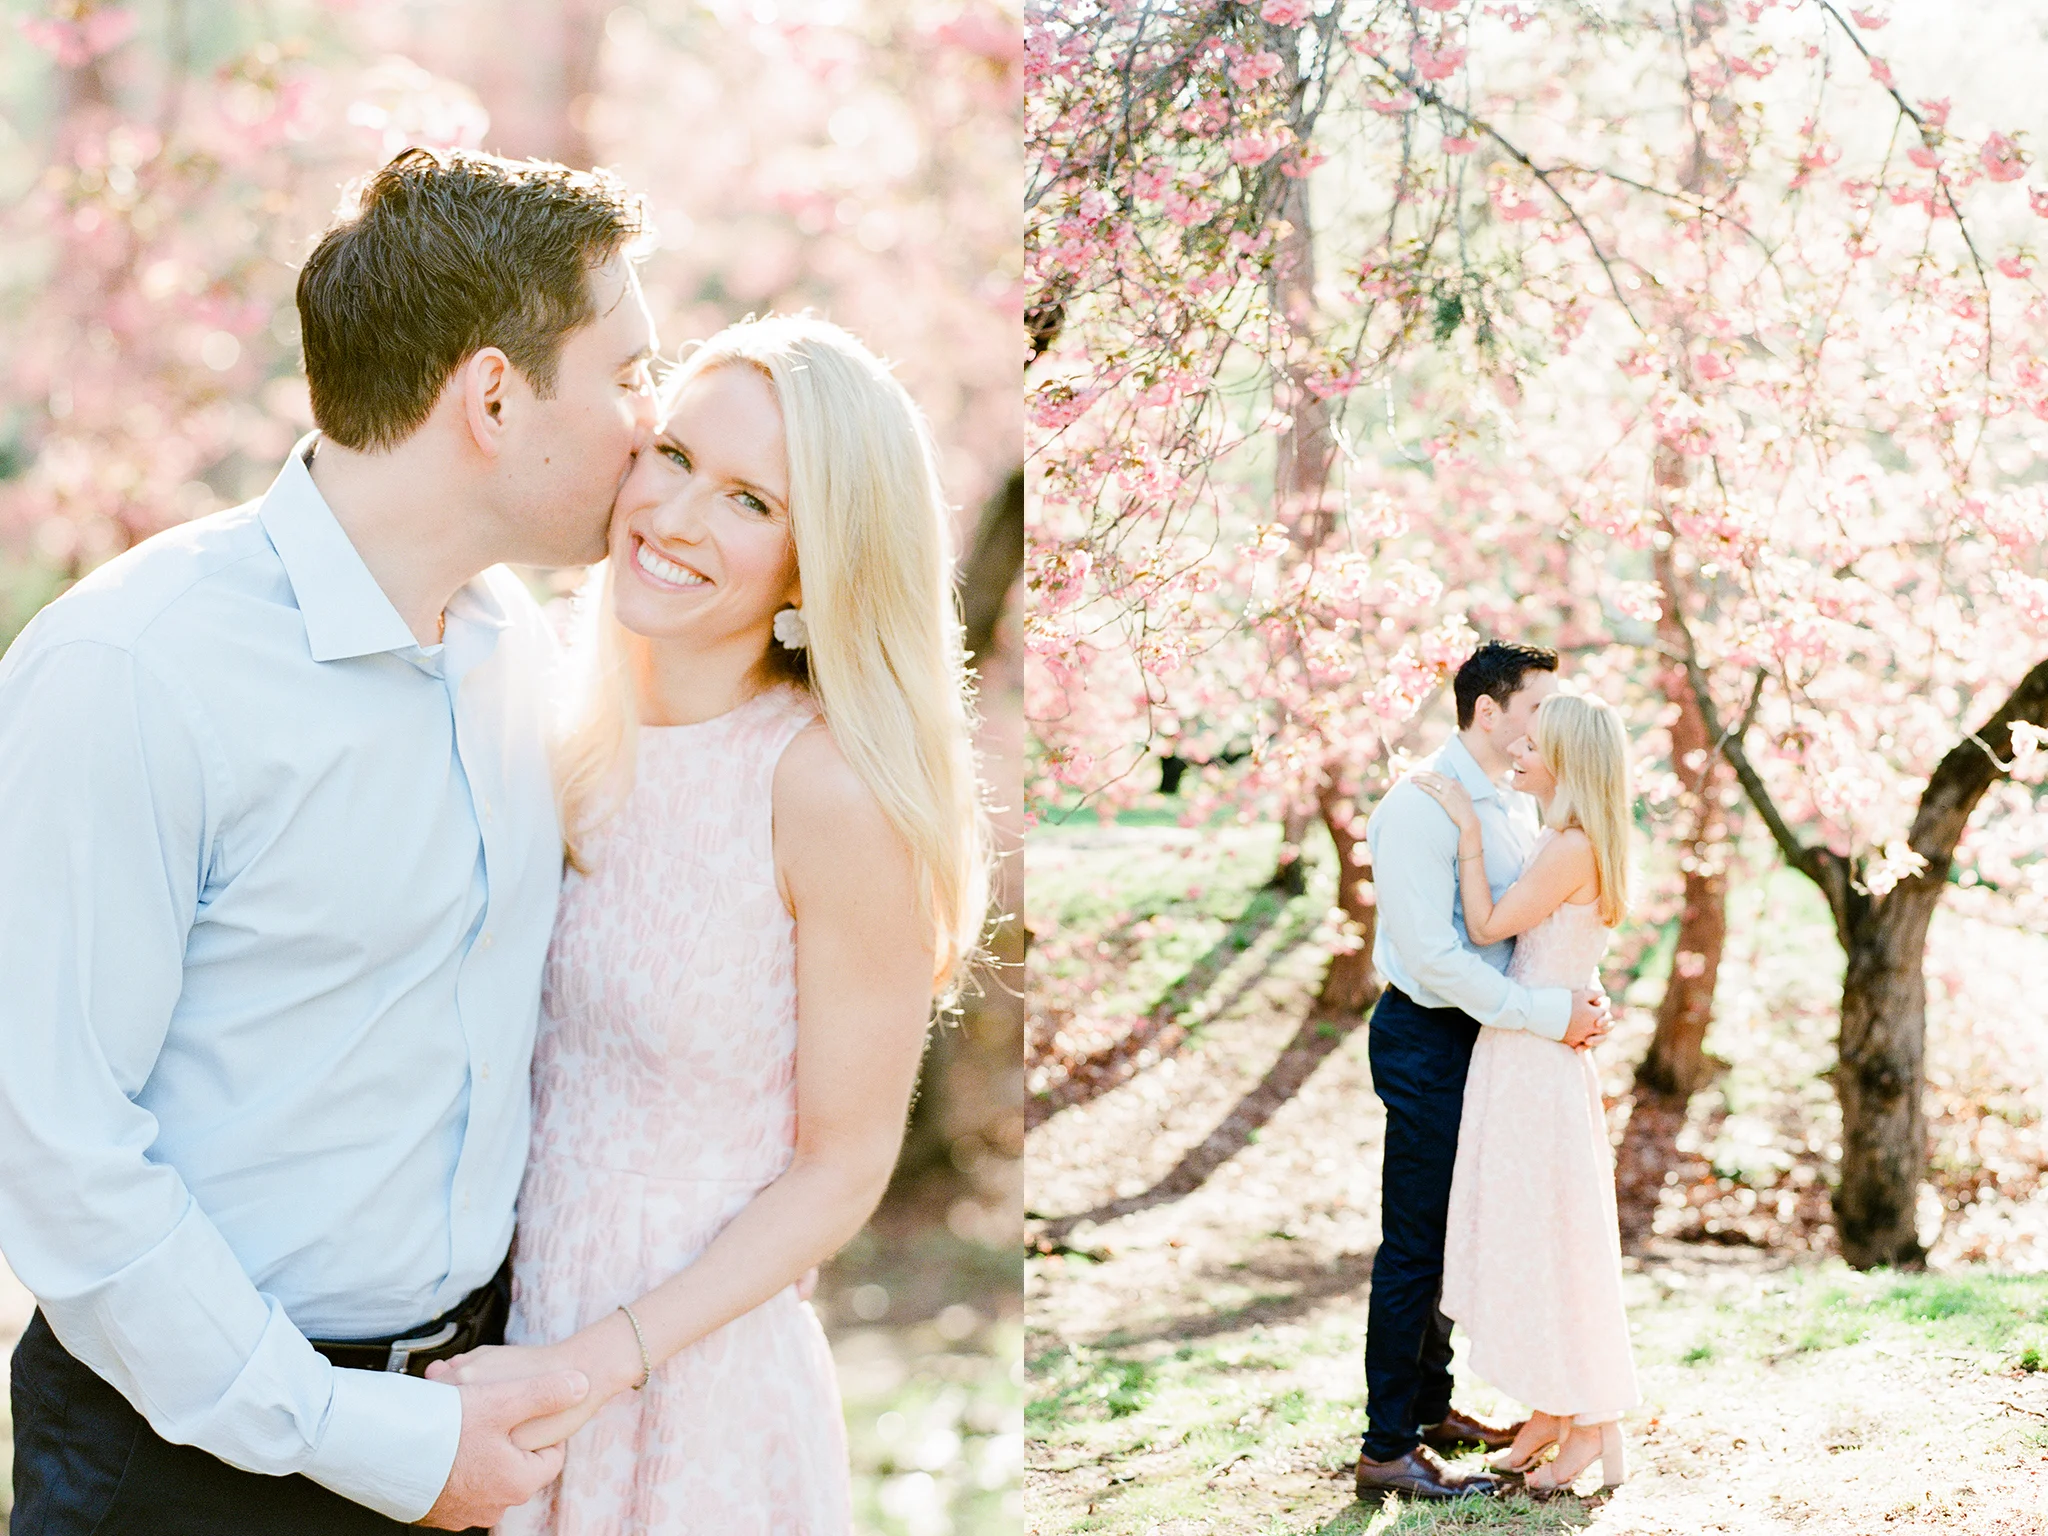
[(1195, 1320)]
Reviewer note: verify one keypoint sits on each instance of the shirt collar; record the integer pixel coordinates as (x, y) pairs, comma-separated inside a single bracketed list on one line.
[(345, 612), (1456, 760)]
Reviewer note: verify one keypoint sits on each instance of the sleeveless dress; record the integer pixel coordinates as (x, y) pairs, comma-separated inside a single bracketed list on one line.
[(1532, 1246), (664, 1083)]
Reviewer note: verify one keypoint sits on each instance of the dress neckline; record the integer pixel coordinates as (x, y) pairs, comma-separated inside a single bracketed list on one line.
[(788, 691)]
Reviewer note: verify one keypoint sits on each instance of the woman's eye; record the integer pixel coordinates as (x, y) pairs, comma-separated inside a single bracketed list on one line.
[(673, 454), (753, 503)]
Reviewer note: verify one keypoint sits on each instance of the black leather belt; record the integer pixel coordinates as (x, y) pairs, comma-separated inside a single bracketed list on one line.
[(478, 1319)]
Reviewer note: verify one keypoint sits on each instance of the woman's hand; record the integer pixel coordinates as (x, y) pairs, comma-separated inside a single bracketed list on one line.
[(1455, 799), (502, 1362), (607, 1352)]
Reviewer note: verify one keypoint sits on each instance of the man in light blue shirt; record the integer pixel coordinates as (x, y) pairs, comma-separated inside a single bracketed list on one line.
[(1440, 990), (280, 864)]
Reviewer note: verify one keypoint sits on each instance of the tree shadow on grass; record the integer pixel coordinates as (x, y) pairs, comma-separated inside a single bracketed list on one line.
[(1319, 1035), (1311, 1283), (1161, 1028)]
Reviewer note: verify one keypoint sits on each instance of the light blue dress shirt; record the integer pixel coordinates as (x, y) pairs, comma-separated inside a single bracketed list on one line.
[(1419, 943), (276, 884)]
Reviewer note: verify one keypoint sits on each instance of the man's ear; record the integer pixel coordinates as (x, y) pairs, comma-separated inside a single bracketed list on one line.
[(1485, 712), (485, 378)]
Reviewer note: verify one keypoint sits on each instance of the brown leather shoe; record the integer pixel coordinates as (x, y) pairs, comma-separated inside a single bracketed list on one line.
[(1458, 1429), (1420, 1474)]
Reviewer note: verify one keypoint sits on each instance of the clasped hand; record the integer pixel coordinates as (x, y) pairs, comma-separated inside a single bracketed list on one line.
[(519, 1403)]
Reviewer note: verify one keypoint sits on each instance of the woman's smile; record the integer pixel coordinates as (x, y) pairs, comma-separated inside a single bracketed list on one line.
[(664, 572)]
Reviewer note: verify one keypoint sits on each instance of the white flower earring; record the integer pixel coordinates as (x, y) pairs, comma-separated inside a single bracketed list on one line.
[(791, 630)]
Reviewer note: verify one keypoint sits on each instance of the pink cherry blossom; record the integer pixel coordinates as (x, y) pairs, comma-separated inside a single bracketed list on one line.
[(1286, 13), (1248, 72), (1437, 63), (2002, 159), (1513, 205), (1256, 148), (74, 43)]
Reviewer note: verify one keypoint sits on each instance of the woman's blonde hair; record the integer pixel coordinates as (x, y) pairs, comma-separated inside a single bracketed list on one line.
[(1583, 745), (884, 659)]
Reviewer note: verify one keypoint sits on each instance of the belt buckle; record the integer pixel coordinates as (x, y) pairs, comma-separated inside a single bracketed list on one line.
[(402, 1350)]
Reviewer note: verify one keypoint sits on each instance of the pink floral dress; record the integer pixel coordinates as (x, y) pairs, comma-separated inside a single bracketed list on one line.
[(1532, 1247), (664, 1100)]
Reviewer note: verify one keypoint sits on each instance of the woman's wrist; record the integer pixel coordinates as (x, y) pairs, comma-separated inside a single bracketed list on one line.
[(608, 1352)]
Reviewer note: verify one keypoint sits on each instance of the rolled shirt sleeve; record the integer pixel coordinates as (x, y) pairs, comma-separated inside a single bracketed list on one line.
[(1415, 872), (108, 786)]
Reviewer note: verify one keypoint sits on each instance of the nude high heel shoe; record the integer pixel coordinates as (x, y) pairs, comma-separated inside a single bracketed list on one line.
[(1559, 1476), (1613, 1456), (1507, 1461)]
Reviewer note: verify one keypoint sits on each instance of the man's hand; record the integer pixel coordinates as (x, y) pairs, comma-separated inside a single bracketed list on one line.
[(491, 1473), (1591, 1016)]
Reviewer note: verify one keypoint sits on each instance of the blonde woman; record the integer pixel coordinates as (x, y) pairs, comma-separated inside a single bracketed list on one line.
[(1532, 1253), (777, 864)]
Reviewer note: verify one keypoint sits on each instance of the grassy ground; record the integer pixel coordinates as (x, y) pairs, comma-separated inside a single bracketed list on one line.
[(928, 1340), (1195, 1311)]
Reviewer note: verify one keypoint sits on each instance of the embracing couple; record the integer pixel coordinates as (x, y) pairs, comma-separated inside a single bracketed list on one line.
[(298, 996), (1500, 870)]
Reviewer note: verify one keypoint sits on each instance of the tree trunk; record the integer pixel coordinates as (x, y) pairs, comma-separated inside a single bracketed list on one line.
[(1290, 872), (1880, 1079), (990, 569), (1349, 986), (1677, 1067), (1880, 1075)]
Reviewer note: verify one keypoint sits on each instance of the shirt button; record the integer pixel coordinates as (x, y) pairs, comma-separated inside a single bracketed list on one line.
[(485, 942), (485, 1071)]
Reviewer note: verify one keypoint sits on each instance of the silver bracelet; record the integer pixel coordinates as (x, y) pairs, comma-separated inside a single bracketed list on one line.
[(646, 1364)]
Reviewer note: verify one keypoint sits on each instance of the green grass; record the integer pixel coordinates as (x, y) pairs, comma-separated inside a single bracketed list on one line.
[(1180, 911), (933, 1386), (1168, 1420), (936, 1444)]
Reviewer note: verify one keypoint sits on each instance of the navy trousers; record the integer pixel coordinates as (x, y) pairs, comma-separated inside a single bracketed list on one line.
[(1419, 1058), (87, 1464)]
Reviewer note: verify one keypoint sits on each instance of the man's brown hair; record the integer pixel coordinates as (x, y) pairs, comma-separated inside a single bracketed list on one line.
[(444, 253), (1497, 671)]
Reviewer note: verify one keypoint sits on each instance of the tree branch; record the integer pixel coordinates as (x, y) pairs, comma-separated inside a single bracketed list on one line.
[(1823, 866), (1435, 99), (1970, 768)]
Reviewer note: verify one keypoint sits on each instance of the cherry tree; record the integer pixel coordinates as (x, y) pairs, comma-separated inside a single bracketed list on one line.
[(1698, 337)]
